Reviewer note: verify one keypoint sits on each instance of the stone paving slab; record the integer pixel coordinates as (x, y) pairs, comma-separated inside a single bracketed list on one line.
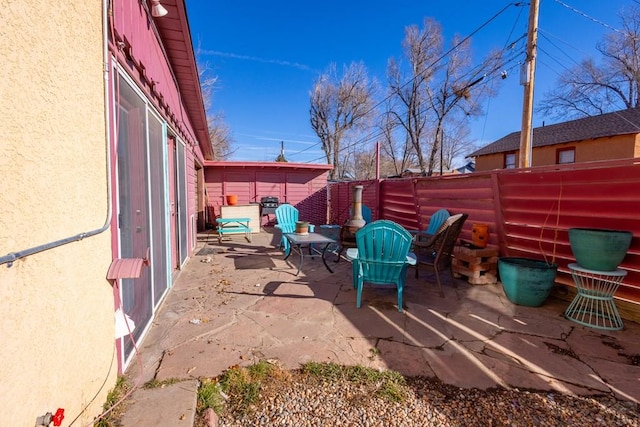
[(238, 303), (172, 406)]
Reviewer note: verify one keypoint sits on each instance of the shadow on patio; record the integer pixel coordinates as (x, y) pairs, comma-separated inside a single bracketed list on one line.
[(239, 302)]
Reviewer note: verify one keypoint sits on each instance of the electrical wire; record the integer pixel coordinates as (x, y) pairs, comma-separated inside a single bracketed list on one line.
[(589, 17), (572, 71), (513, 28), (374, 134), (115, 284), (138, 358), (82, 411), (472, 72), (368, 138)]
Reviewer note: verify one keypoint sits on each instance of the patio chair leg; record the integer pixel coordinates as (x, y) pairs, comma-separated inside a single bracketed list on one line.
[(439, 283)]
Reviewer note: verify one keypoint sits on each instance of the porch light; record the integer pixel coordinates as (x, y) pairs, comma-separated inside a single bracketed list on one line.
[(157, 10)]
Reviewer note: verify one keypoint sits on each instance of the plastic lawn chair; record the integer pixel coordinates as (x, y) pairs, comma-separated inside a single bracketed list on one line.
[(286, 217), (381, 257)]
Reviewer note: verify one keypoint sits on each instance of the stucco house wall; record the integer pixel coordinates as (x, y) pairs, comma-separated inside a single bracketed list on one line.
[(57, 306), (608, 148), (69, 162), (492, 161)]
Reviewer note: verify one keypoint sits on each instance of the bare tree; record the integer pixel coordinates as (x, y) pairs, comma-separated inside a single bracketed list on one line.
[(439, 84), (454, 93), (340, 105), (456, 141), (397, 153), (422, 49), (589, 88), (220, 136), (365, 164), (219, 130)]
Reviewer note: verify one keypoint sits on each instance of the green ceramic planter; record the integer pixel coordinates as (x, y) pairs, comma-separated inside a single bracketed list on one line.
[(526, 281), (599, 249)]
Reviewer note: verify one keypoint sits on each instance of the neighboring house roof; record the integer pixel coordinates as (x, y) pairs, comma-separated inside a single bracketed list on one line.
[(622, 122), (176, 38)]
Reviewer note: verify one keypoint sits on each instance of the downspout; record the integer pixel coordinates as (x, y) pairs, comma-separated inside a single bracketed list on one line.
[(11, 257)]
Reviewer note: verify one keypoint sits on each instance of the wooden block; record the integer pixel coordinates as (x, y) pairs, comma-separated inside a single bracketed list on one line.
[(469, 252), (474, 275), (487, 279)]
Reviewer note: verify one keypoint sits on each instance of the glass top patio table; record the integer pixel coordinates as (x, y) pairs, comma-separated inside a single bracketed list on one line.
[(298, 241)]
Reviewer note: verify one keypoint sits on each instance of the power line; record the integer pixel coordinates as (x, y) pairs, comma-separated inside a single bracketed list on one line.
[(368, 138), (591, 18), (373, 135)]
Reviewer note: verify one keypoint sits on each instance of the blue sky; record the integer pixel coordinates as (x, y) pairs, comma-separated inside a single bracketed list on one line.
[(267, 55)]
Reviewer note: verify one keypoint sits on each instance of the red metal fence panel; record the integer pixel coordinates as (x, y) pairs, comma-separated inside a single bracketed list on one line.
[(529, 211), (341, 200)]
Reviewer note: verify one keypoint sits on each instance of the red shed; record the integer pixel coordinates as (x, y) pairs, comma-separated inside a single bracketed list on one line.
[(303, 185)]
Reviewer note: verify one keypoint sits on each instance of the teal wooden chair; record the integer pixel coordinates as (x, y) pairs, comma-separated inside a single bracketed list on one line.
[(435, 222), (286, 217), (381, 257)]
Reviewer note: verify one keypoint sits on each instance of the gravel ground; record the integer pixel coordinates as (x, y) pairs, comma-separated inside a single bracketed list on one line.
[(305, 401)]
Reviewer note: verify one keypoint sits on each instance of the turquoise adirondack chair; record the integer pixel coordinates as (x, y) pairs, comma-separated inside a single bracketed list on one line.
[(286, 217), (435, 222), (382, 257)]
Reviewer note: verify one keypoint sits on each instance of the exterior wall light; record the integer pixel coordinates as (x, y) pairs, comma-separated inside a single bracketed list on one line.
[(157, 10)]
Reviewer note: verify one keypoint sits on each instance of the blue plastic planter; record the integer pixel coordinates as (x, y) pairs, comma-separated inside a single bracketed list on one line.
[(526, 281)]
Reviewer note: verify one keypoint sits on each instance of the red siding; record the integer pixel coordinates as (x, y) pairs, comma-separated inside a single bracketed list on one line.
[(341, 200), (144, 59), (397, 202), (303, 186)]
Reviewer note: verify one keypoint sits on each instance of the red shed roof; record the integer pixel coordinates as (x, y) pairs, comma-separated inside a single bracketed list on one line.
[(264, 165)]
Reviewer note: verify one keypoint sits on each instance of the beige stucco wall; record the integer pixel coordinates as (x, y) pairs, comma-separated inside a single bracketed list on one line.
[(618, 147), (57, 307), (491, 161)]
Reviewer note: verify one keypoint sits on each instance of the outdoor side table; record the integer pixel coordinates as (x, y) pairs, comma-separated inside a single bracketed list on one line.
[(593, 305), (298, 241), (332, 231)]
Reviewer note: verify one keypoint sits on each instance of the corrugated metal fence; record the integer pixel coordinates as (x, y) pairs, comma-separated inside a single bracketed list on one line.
[(529, 211)]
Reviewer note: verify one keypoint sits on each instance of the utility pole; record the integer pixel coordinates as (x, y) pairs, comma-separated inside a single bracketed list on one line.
[(441, 149), (377, 160), (528, 81)]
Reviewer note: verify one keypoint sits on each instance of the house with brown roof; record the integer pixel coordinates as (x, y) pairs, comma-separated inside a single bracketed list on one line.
[(605, 137)]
